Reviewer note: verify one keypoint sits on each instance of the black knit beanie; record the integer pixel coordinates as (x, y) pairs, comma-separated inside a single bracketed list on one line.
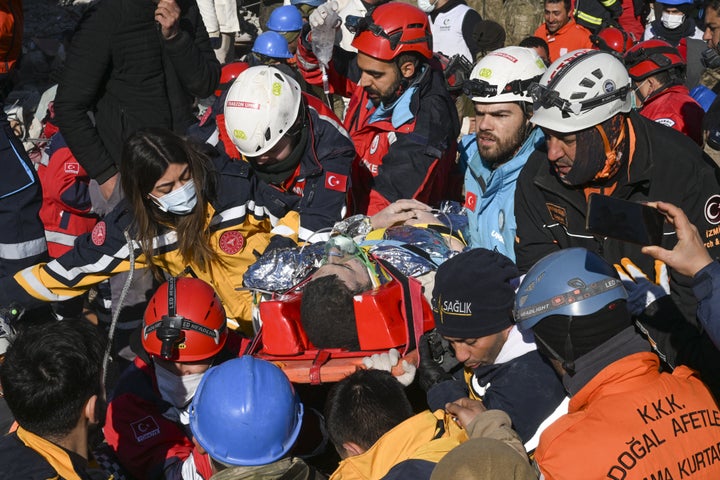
[(474, 293)]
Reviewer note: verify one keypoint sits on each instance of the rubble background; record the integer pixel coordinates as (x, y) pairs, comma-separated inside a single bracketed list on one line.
[(47, 29)]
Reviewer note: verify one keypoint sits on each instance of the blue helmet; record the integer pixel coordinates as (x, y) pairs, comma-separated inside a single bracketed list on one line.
[(271, 44), (246, 413), (312, 3), (571, 282), (676, 2), (286, 18)]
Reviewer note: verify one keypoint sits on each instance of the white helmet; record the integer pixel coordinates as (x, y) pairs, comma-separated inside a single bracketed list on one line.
[(504, 75), (581, 89), (261, 106)]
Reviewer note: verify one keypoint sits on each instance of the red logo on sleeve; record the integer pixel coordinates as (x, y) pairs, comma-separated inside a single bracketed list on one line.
[(231, 242), (470, 201), (99, 233), (335, 181)]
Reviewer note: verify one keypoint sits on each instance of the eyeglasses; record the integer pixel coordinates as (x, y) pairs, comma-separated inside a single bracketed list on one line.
[(547, 98)]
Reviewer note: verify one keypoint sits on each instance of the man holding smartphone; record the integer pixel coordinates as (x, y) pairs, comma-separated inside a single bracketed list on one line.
[(597, 144)]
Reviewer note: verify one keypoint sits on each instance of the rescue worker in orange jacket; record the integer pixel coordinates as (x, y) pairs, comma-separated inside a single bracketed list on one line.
[(626, 417)]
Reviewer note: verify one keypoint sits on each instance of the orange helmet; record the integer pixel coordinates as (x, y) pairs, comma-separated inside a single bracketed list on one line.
[(392, 29), (613, 40), (651, 57), (184, 321)]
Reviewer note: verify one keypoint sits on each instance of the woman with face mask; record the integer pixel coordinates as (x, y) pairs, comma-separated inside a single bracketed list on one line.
[(675, 22), (185, 212), (184, 333)]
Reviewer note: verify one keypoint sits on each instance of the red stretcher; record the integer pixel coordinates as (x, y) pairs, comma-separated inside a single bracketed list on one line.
[(393, 315)]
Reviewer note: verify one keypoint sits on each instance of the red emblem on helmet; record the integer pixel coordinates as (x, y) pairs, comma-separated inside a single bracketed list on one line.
[(231, 242), (99, 233)]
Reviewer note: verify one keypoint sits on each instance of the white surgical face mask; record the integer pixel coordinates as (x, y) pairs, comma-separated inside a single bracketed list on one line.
[(426, 6), (178, 390), (672, 21), (180, 201)]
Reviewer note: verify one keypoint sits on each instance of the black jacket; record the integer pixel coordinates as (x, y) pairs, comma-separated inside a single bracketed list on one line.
[(597, 14), (666, 165), (121, 68), (317, 191), (527, 388)]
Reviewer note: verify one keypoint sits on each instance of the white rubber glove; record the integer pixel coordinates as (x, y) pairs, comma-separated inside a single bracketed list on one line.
[(641, 291), (386, 362), (317, 17)]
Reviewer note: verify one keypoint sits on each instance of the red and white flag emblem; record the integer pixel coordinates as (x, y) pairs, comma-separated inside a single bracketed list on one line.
[(335, 181)]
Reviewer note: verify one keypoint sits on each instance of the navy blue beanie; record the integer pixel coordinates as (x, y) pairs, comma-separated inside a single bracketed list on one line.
[(474, 294)]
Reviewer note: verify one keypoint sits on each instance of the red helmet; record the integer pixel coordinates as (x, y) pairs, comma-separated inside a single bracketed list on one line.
[(651, 57), (613, 40), (228, 74), (392, 29), (184, 321)]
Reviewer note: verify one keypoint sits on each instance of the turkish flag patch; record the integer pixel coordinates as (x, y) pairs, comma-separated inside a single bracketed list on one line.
[(99, 233), (335, 181), (73, 168), (470, 201)]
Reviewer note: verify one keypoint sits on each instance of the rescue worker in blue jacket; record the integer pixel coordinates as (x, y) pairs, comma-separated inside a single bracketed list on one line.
[(22, 237), (502, 143)]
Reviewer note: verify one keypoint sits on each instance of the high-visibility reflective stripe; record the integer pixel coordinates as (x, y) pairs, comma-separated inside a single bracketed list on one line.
[(608, 3), (18, 251), (35, 284), (61, 238), (588, 18)]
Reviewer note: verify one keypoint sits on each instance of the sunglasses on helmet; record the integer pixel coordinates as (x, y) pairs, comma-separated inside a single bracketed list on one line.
[(356, 25), (545, 97), (481, 88)]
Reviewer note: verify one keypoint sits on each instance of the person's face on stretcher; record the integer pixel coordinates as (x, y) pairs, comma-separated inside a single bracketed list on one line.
[(349, 269)]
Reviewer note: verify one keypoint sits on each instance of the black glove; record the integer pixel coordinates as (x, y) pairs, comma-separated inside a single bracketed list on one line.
[(430, 372)]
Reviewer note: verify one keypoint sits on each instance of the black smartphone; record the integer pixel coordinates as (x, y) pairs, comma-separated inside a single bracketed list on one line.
[(624, 220)]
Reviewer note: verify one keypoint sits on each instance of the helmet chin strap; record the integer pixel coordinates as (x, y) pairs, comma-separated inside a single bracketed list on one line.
[(567, 361), (613, 155)]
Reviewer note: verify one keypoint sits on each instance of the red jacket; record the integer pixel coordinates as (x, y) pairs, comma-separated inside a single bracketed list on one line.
[(411, 152), (633, 422), (65, 210), (146, 443), (675, 108)]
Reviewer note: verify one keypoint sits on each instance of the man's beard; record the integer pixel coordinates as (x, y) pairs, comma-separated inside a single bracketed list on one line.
[(389, 98), (504, 150)]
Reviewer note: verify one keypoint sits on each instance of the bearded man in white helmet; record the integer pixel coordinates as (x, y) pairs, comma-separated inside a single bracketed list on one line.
[(596, 143), (504, 139)]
